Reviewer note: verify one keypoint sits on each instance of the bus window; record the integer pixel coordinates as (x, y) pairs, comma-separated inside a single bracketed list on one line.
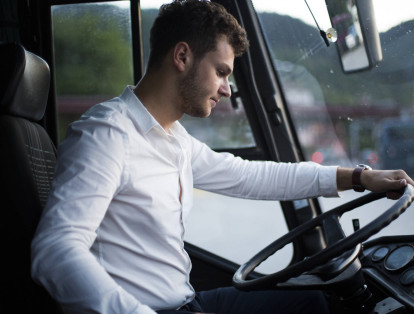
[(337, 115), (226, 128), (395, 144), (93, 56)]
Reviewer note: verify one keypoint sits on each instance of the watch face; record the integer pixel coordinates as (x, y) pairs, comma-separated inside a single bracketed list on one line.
[(366, 167)]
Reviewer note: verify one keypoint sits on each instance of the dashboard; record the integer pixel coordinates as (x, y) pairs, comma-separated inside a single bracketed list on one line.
[(389, 262)]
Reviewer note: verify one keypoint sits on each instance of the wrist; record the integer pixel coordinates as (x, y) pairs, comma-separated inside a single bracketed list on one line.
[(344, 178), (357, 184)]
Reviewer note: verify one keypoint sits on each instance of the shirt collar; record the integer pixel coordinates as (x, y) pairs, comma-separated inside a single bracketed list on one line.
[(141, 115)]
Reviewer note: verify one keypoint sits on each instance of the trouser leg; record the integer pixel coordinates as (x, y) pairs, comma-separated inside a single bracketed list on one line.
[(232, 301)]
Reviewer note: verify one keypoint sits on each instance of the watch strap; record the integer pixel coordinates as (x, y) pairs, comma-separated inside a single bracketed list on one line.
[(356, 179)]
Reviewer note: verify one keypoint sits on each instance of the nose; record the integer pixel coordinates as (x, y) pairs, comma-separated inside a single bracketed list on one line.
[(225, 89)]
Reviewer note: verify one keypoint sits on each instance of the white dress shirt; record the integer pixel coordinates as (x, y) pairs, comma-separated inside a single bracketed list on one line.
[(111, 236)]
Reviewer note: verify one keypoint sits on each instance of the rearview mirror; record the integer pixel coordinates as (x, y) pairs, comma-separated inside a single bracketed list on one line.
[(358, 42)]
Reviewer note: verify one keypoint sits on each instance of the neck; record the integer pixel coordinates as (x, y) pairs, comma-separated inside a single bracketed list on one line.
[(157, 95)]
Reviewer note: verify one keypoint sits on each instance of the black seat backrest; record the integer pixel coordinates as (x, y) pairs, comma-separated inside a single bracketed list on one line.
[(28, 158)]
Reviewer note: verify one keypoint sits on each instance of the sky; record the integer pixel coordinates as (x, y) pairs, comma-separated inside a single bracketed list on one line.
[(388, 13)]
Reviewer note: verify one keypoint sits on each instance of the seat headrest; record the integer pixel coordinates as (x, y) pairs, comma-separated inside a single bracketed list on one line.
[(24, 82)]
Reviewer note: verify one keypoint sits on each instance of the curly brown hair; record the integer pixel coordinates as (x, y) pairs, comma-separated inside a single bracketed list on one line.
[(198, 23)]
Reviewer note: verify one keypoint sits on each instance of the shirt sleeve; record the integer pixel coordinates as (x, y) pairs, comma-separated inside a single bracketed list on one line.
[(86, 178), (265, 180)]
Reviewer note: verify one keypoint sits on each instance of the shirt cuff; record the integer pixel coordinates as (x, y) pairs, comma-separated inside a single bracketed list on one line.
[(327, 181)]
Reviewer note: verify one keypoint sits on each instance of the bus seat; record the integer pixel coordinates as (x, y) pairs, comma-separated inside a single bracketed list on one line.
[(28, 158)]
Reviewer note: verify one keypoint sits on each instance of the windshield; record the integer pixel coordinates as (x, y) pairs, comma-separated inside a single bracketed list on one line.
[(346, 119)]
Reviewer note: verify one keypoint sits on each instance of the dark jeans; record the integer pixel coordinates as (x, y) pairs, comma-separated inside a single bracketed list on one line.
[(232, 301)]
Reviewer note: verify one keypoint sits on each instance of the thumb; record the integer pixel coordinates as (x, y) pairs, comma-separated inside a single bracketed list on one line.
[(400, 184)]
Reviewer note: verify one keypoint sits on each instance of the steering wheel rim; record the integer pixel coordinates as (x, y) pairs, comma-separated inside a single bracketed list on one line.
[(326, 254)]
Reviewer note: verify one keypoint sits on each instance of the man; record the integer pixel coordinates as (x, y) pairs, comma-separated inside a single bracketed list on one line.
[(111, 236)]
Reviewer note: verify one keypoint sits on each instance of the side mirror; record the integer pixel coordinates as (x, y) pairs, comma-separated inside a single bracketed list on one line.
[(358, 42)]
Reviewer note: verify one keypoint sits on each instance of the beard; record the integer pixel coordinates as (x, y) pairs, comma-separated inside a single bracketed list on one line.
[(192, 96)]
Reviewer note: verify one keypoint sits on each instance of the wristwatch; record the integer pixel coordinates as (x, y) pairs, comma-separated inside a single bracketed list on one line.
[(356, 177)]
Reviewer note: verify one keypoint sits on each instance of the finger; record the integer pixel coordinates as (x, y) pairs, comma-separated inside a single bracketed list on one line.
[(394, 195)]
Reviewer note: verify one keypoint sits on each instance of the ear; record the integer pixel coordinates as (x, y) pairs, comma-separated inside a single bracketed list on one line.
[(182, 55)]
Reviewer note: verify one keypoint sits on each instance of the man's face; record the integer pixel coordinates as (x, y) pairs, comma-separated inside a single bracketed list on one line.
[(207, 81)]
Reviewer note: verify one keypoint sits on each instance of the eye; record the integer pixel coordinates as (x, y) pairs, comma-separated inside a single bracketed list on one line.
[(221, 73)]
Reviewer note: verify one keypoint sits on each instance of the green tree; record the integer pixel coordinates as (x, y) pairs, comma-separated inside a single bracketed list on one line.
[(93, 49)]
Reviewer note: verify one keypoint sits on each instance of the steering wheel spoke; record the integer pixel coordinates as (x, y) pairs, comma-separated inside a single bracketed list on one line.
[(332, 228)]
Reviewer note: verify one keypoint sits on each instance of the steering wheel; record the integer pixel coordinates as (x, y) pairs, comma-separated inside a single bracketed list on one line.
[(339, 246)]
